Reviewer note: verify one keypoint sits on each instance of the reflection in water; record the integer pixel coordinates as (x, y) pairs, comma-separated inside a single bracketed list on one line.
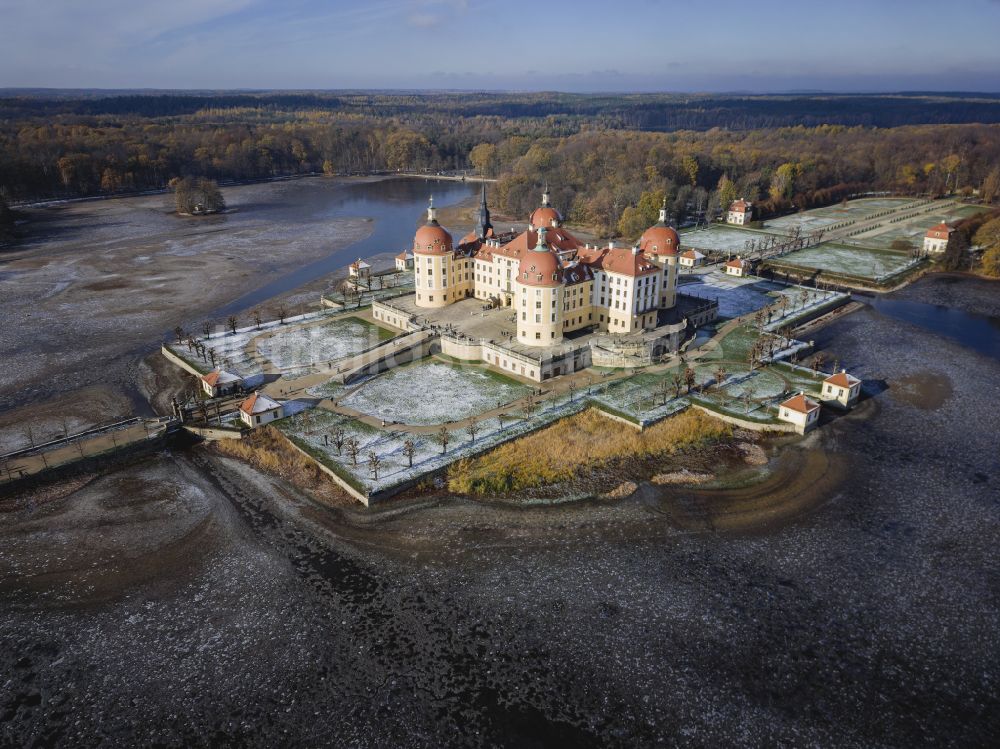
[(980, 333), (395, 205)]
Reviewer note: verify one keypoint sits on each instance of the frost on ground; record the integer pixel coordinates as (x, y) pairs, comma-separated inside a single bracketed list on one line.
[(851, 261), (431, 392), (302, 348), (296, 346), (742, 296), (720, 239), (318, 428), (818, 218)]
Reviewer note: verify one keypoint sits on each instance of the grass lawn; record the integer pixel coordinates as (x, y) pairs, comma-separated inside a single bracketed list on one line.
[(861, 262), (433, 392)]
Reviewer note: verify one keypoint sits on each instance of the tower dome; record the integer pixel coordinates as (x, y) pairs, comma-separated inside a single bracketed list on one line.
[(431, 238), (545, 216), (660, 239), (540, 266)]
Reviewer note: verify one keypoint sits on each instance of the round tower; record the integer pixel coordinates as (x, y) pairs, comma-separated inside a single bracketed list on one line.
[(538, 295), (432, 262)]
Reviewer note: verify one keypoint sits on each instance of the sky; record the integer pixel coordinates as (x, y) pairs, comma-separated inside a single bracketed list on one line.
[(522, 45)]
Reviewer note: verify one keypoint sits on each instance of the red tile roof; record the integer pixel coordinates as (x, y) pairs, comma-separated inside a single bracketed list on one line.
[(432, 239), (740, 206), (801, 404), (660, 240), (258, 403), (842, 379), (941, 231)]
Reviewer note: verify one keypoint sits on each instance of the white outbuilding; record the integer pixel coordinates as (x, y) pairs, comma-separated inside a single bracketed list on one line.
[(258, 409), (800, 411), (841, 389)]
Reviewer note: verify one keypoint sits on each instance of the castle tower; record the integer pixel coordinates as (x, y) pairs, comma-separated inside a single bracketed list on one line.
[(538, 295), (433, 257)]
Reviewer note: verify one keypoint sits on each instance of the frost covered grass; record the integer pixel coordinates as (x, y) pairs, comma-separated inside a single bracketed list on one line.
[(317, 432), (719, 238), (303, 348), (557, 453), (431, 392), (818, 218), (842, 259)]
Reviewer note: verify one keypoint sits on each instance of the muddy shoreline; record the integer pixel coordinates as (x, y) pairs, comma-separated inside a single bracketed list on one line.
[(847, 599)]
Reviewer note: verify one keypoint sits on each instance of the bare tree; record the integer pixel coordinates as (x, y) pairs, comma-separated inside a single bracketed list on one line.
[(282, 313), (29, 433), (472, 428), (256, 317), (178, 334), (443, 437), (374, 463), (338, 439), (677, 382), (528, 406), (232, 322), (409, 450), (353, 448), (689, 378), (206, 328), (720, 375), (663, 391)]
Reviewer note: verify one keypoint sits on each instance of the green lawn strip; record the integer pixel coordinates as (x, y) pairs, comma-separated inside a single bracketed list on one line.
[(602, 406), (737, 413)]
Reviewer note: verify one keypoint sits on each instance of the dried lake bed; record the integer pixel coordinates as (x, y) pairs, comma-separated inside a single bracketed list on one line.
[(187, 600), (850, 599)]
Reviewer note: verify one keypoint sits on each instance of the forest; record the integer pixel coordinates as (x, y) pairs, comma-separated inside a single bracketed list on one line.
[(611, 160)]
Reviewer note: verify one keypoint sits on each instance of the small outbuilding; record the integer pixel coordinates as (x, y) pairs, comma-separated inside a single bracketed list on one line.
[(841, 389), (258, 409), (404, 260), (740, 213), (937, 237), (220, 382), (800, 411), (691, 258), (737, 267), (359, 269)]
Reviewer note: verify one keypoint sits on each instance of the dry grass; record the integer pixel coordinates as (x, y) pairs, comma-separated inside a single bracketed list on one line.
[(268, 450), (583, 441)]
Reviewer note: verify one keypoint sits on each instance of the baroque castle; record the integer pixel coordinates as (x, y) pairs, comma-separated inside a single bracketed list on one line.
[(555, 283)]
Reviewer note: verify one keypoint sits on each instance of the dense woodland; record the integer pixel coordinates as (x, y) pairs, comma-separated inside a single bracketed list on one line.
[(611, 160)]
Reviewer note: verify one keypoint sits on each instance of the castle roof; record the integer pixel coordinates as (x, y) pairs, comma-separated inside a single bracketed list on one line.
[(660, 239)]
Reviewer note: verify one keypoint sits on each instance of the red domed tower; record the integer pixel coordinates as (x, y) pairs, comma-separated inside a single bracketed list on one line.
[(433, 260), (546, 216)]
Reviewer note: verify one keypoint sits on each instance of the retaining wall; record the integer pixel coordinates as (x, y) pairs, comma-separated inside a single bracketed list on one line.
[(180, 362)]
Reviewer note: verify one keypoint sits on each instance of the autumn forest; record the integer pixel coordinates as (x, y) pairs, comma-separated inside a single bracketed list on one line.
[(610, 160)]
